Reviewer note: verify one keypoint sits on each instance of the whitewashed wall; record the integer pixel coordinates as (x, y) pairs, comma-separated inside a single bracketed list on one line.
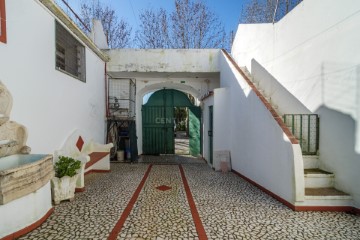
[(18, 214), (222, 128), (275, 92), (48, 102), (164, 60), (259, 148), (313, 53)]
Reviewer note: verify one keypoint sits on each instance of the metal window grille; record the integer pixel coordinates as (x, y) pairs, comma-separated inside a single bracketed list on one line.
[(305, 127), (70, 54), (121, 98)]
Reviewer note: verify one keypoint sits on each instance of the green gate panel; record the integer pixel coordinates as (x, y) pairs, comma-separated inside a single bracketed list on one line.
[(194, 130), (158, 122), (169, 98), (210, 133), (158, 130)]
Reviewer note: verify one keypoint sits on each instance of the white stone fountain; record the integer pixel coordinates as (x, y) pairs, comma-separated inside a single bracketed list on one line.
[(25, 195)]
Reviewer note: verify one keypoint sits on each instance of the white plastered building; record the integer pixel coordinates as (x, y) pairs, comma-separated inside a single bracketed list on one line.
[(303, 64)]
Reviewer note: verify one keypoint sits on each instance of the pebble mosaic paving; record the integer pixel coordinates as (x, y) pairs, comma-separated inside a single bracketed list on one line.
[(170, 159), (231, 208), (182, 146), (163, 212), (93, 213), (228, 206)]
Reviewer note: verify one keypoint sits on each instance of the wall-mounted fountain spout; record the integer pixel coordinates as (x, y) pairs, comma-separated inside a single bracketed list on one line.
[(13, 136), (6, 147)]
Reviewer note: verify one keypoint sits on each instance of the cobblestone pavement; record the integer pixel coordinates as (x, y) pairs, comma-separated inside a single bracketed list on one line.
[(93, 213), (170, 159), (228, 206), (162, 212), (182, 145), (231, 208)]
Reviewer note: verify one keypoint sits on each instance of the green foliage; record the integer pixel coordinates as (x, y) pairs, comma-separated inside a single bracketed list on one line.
[(181, 126), (180, 115), (66, 166)]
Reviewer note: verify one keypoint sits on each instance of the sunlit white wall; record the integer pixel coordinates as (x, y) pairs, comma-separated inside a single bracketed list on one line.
[(313, 53), (48, 102)]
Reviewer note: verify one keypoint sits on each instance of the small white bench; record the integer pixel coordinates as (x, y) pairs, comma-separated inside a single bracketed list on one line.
[(94, 157)]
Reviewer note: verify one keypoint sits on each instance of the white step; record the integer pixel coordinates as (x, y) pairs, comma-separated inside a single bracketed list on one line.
[(262, 92), (257, 84), (315, 178), (274, 106), (326, 197), (327, 201), (311, 161), (246, 72)]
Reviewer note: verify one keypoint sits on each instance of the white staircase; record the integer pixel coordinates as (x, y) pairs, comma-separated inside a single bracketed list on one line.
[(257, 85), (311, 161), (319, 184), (317, 178)]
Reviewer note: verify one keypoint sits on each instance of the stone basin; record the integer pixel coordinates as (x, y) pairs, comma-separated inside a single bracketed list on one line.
[(21, 174)]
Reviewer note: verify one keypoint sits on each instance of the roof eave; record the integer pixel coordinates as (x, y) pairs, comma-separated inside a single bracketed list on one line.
[(66, 20)]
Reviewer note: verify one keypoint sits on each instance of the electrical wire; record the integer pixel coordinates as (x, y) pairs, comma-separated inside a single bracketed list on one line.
[(135, 17)]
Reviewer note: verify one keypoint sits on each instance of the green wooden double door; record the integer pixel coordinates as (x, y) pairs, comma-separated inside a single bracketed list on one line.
[(158, 122)]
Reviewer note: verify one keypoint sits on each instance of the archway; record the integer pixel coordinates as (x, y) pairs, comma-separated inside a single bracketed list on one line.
[(158, 122)]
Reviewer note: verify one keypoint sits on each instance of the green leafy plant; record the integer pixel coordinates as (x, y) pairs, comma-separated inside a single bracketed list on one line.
[(66, 166)]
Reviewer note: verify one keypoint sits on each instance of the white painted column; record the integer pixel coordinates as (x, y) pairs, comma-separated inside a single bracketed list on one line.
[(222, 124)]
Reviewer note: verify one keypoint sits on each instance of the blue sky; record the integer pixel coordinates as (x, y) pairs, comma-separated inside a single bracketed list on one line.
[(228, 11)]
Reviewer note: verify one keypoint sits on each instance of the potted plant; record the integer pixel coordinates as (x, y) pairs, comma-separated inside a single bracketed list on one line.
[(64, 183)]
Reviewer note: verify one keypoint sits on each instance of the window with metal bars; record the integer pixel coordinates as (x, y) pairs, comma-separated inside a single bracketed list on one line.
[(70, 54), (2, 22)]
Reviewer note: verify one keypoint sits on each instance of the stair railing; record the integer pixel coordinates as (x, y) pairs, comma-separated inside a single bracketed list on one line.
[(305, 127)]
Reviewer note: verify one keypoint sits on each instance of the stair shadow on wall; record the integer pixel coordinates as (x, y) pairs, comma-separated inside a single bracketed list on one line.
[(337, 149)]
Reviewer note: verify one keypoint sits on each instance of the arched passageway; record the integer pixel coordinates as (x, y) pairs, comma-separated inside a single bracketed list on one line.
[(158, 122)]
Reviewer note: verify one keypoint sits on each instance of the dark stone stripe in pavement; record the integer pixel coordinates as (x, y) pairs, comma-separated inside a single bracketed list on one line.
[(198, 224)]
